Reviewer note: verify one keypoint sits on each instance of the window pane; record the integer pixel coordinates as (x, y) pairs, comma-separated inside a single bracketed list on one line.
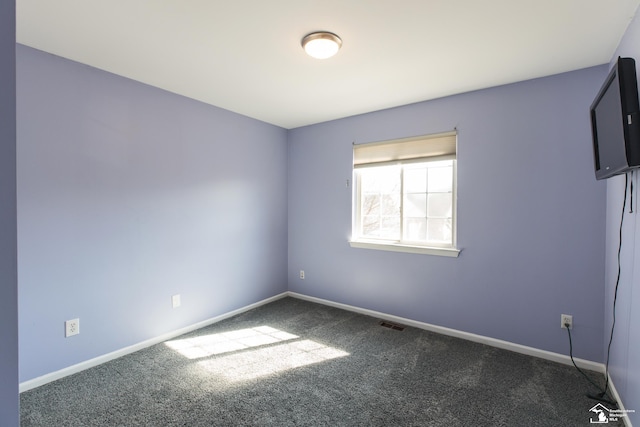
[(370, 204), (380, 202), (369, 181), (381, 227), (415, 180), (440, 179), (439, 230), (415, 205), (390, 205), (390, 228), (380, 180), (370, 226), (415, 229), (439, 205)]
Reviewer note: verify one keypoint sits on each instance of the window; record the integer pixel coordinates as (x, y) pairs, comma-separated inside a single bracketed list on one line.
[(405, 195)]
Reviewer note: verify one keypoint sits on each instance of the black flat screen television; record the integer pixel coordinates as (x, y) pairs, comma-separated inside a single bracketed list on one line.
[(615, 122)]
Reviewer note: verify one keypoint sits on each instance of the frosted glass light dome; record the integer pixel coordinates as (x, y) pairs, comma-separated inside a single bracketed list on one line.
[(321, 45)]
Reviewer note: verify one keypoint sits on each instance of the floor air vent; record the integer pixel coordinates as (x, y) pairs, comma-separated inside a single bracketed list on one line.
[(391, 326)]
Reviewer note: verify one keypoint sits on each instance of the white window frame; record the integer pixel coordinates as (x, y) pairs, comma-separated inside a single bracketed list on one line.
[(385, 153)]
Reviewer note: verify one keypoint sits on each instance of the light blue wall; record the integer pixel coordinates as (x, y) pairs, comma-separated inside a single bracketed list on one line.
[(8, 269), (530, 216), (128, 194), (625, 348)]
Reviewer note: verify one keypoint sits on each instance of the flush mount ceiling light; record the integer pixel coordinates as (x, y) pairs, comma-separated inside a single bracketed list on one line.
[(321, 44)]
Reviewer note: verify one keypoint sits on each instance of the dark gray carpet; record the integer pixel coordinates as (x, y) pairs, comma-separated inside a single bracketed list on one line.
[(296, 363)]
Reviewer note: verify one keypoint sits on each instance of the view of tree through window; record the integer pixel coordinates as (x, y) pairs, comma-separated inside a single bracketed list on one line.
[(410, 203), (380, 211)]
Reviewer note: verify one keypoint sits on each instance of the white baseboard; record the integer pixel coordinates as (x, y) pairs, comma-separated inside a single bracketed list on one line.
[(44, 379), (616, 397), (506, 345)]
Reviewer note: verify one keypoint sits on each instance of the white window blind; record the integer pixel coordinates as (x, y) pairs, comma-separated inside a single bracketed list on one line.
[(424, 148)]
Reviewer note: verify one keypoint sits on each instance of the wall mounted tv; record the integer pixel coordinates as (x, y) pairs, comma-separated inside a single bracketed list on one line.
[(615, 122)]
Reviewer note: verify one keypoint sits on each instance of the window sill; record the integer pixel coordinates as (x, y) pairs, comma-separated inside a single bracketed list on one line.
[(393, 247)]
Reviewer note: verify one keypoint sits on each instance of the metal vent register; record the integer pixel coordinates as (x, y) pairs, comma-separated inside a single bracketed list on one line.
[(390, 325)]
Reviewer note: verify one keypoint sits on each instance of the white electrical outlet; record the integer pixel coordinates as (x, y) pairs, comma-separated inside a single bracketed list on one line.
[(175, 301), (302, 274), (566, 319), (71, 327)]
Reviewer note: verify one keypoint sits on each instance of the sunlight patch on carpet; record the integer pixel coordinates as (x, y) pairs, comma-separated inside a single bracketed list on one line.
[(248, 365), (225, 342)]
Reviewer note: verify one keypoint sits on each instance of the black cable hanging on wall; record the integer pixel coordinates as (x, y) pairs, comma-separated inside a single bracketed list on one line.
[(602, 395), (615, 292)]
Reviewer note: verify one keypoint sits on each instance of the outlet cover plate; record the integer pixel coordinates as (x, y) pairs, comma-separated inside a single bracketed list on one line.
[(175, 301), (564, 319), (71, 327)]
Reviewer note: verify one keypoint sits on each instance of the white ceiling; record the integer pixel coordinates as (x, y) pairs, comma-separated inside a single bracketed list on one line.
[(245, 55)]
